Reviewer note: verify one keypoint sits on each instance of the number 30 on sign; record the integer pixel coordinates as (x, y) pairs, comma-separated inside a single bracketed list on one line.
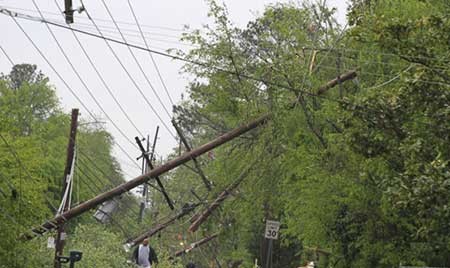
[(272, 229)]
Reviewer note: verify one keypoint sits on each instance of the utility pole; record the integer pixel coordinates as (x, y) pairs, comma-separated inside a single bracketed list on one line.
[(188, 148), (61, 235), (158, 180), (187, 208), (336, 81), (68, 11), (195, 245), (145, 166), (144, 186), (203, 216)]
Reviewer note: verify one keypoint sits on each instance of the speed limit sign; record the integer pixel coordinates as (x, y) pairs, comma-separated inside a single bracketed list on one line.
[(272, 229)]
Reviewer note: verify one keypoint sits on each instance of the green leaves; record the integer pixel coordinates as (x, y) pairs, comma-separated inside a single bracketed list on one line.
[(32, 159), (363, 170)]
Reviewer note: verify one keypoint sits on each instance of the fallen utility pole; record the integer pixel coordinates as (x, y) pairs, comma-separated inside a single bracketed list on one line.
[(127, 186), (184, 211), (158, 180), (60, 237), (195, 245), (337, 81), (202, 217), (188, 148)]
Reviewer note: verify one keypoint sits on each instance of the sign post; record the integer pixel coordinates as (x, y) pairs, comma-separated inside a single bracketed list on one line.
[(272, 230)]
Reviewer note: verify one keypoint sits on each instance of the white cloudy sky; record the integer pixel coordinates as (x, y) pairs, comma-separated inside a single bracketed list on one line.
[(162, 21)]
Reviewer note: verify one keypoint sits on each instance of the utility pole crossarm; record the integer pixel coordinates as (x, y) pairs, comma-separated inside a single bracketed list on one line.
[(188, 148), (127, 186)]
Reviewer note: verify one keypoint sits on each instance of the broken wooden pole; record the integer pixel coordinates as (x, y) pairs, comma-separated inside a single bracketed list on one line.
[(195, 245), (332, 83), (184, 211), (127, 186), (202, 217)]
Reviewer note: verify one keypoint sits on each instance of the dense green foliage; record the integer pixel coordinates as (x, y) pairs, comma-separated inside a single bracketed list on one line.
[(359, 177), (34, 133)]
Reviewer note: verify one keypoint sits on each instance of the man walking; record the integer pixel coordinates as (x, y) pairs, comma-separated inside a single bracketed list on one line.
[(145, 256)]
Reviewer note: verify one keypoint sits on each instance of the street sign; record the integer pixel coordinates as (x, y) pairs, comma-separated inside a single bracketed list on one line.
[(272, 229)]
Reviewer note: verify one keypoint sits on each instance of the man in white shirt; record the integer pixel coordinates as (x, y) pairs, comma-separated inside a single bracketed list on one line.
[(145, 256)]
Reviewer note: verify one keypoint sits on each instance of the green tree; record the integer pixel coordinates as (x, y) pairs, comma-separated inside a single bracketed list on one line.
[(34, 132)]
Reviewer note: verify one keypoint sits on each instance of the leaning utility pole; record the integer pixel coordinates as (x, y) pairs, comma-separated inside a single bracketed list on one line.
[(159, 227), (195, 245), (61, 235), (125, 187), (203, 216), (196, 163)]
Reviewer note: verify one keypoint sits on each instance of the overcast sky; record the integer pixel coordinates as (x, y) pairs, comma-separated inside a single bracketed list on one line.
[(162, 22)]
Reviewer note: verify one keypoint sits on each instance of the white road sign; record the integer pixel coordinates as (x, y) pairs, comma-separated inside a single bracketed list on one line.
[(272, 229), (51, 242)]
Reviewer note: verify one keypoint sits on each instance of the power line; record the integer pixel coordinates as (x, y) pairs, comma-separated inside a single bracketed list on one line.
[(61, 78), (313, 69), (81, 79), (184, 59), (129, 157), (150, 54), (23, 167), (7, 56), (137, 62), (6, 12), (92, 180), (127, 72), (51, 66), (28, 17), (94, 163), (169, 39), (113, 221), (103, 81), (128, 30), (104, 20)]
